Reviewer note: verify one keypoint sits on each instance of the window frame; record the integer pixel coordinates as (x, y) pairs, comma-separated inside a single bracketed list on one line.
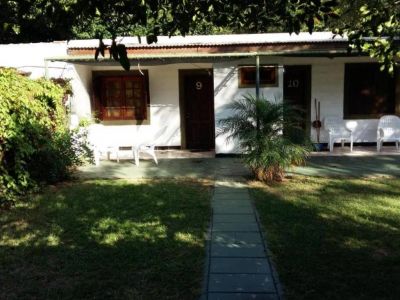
[(98, 94), (394, 94), (263, 82)]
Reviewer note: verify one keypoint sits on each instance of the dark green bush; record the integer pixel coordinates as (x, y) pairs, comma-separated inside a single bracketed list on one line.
[(35, 143)]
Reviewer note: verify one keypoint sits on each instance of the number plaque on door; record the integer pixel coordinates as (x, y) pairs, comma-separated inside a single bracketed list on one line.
[(199, 85), (293, 83)]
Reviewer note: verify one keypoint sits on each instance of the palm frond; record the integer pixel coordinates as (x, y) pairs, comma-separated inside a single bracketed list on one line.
[(269, 148)]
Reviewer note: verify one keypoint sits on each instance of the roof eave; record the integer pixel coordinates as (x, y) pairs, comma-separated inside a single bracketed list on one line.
[(316, 53)]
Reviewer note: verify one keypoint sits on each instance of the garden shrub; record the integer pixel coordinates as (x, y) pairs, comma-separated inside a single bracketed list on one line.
[(35, 143), (269, 133)]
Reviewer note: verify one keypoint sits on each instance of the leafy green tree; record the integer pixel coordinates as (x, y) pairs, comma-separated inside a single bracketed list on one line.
[(35, 20), (262, 128), (373, 27), (44, 20)]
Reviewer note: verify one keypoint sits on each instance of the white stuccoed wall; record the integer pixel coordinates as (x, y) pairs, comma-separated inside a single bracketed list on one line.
[(327, 86), (31, 58), (165, 128), (226, 88)]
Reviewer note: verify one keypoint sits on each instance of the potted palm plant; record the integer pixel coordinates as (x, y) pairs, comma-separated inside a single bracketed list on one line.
[(262, 128)]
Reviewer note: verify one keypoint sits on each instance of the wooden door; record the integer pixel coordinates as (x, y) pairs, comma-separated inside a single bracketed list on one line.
[(297, 92), (198, 110)]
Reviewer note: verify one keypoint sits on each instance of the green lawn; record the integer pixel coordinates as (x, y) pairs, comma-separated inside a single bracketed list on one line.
[(106, 239), (334, 238)]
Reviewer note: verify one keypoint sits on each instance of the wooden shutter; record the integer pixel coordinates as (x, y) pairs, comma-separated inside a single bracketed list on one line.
[(122, 97)]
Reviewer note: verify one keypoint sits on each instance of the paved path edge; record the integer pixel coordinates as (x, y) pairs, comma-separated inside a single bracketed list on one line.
[(206, 270), (275, 276)]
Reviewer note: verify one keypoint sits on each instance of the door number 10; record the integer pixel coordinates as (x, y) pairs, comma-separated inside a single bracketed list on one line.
[(293, 83)]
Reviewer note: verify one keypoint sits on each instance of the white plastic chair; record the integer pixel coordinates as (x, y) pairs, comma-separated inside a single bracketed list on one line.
[(97, 138), (388, 131), (149, 149), (337, 132)]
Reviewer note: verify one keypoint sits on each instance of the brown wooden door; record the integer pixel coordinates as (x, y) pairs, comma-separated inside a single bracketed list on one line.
[(297, 92), (199, 111)]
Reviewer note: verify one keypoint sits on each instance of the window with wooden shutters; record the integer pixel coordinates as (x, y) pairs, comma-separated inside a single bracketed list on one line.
[(268, 76), (122, 97), (368, 92)]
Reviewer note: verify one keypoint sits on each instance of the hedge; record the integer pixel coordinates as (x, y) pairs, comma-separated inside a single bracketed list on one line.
[(35, 143)]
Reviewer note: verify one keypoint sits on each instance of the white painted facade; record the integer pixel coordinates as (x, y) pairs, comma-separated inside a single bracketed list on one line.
[(165, 126), (327, 86)]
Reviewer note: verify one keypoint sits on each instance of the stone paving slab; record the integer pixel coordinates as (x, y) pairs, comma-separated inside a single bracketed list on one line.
[(250, 283), (234, 218), (229, 190), (242, 296), (237, 237), (237, 250), (238, 227), (240, 265), (233, 210), (232, 196), (230, 204)]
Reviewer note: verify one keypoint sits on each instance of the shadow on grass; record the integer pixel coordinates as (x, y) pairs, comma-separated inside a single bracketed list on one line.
[(334, 238), (106, 240), (351, 166)]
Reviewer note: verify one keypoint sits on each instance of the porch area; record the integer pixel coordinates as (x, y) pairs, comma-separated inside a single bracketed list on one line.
[(363, 161)]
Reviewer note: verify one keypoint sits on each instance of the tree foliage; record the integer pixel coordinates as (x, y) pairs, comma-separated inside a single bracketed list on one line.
[(373, 27), (44, 20)]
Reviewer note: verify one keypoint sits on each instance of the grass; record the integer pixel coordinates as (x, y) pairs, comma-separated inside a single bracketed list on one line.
[(106, 239), (334, 238)]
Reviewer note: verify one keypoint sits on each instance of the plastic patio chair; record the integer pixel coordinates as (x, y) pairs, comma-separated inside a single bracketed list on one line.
[(388, 131), (337, 132), (98, 143), (149, 149)]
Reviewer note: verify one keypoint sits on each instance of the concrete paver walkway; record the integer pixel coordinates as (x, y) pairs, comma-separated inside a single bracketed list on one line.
[(238, 264)]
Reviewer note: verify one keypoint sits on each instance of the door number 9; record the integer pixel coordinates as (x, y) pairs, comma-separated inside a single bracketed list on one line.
[(199, 85)]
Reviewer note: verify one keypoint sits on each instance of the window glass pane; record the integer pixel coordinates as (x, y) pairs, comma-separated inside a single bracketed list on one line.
[(128, 93), (268, 76), (113, 93), (123, 97), (129, 102), (138, 102), (129, 113), (113, 113), (368, 91)]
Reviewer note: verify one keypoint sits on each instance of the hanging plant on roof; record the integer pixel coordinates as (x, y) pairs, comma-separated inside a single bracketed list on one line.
[(117, 52)]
